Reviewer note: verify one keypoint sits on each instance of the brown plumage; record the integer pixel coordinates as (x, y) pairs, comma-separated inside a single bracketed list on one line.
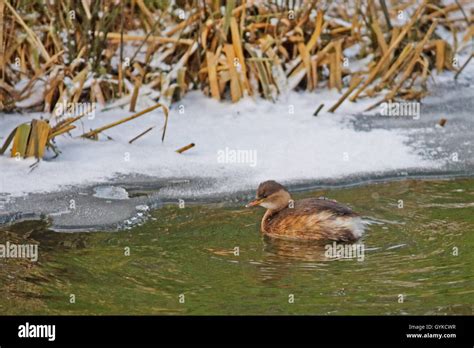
[(307, 219)]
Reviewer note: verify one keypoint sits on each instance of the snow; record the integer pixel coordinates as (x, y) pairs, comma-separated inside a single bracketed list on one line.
[(281, 141), (36, 96)]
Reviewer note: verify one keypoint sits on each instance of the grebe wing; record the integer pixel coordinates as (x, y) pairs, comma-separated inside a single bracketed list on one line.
[(314, 205)]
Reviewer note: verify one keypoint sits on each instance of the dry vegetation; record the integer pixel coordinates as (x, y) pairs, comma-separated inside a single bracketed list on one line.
[(79, 50)]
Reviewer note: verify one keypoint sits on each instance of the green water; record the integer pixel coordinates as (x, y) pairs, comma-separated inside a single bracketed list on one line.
[(418, 260)]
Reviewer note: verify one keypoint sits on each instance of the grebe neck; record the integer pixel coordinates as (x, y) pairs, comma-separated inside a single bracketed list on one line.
[(266, 217)]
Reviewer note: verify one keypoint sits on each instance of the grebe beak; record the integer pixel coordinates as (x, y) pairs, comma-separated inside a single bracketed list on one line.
[(254, 203)]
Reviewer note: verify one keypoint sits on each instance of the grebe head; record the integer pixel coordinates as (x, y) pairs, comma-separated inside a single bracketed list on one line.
[(271, 195)]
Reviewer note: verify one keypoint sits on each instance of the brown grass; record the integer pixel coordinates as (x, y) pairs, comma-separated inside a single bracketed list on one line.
[(258, 48), (248, 41)]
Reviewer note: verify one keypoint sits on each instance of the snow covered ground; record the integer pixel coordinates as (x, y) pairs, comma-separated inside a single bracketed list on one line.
[(245, 143), (248, 142)]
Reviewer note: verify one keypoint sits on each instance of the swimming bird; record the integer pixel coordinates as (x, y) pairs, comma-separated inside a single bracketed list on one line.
[(312, 219)]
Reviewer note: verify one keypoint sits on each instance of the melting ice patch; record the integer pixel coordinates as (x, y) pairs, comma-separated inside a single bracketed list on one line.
[(110, 192)]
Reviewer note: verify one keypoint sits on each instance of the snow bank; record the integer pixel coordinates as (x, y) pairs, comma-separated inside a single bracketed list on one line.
[(244, 143)]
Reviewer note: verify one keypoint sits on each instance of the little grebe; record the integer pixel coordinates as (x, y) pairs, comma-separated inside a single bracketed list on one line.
[(312, 219)]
